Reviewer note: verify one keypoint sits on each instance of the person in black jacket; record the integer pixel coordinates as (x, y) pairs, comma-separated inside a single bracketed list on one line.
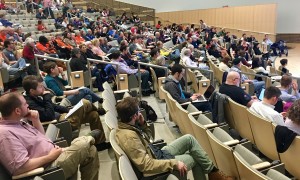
[(77, 63), (39, 99)]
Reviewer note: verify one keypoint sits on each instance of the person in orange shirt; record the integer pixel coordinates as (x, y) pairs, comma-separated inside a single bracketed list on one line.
[(3, 32), (79, 39), (47, 47), (61, 46)]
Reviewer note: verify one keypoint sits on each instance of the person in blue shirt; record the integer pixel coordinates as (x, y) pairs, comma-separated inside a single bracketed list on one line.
[(57, 85)]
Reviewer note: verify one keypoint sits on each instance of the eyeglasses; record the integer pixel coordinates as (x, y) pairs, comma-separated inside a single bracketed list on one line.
[(235, 79)]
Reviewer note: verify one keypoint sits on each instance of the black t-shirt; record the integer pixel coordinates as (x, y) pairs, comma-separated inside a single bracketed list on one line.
[(235, 93)]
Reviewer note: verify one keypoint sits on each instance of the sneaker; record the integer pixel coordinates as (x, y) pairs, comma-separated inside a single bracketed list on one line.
[(219, 175), (100, 100), (151, 91), (145, 93), (103, 146), (101, 111)]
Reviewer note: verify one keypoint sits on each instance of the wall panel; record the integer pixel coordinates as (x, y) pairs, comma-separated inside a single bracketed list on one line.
[(258, 18)]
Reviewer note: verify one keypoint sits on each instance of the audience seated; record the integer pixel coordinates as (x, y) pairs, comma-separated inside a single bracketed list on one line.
[(173, 86), (134, 136), (41, 14), (56, 84), (292, 121), (125, 69), (257, 67), (265, 108), (5, 22), (42, 27), (125, 55), (258, 85), (157, 59), (40, 100), (231, 88), (287, 83), (15, 65), (12, 35), (24, 147), (96, 48), (283, 68), (17, 69), (69, 40), (224, 64), (28, 54), (103, 45)]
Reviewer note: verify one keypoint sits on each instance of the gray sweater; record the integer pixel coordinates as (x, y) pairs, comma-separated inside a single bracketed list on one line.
[(172, 86)]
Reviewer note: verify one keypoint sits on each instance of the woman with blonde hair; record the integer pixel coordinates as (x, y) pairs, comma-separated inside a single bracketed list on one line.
[(96, 47)]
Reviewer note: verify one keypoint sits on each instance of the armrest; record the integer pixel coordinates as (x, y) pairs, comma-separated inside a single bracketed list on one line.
[(232, 142), (199, 76), (49, 122), (211, 125), (186, 103), (121, 91), (195, 113), (261, 165), (68, 87), (61, 143), (29, 173)]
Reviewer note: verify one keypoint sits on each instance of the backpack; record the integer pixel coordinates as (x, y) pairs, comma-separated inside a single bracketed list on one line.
[(151, 114)]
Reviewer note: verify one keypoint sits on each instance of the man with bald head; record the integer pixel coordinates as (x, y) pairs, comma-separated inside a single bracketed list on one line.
[(231, 88)]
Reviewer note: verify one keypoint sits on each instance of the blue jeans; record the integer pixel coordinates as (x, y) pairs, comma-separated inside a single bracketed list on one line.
[(258, 85), (84, 93), (144, 77), (187, 149), (15, 69), (203, 106)]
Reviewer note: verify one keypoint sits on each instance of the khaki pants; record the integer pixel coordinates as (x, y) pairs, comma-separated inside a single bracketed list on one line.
[(80, 152), (86, 114)]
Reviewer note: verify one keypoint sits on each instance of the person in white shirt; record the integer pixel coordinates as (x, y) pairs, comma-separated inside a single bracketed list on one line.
[(224, 64), (265, 108), (187, 61)]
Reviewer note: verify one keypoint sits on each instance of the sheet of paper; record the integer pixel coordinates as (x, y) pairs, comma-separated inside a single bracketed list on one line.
[(82, 87), (74, 109)]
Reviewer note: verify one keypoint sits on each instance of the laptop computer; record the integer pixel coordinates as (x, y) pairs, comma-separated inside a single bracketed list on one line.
[(209, 91), (261, 95)]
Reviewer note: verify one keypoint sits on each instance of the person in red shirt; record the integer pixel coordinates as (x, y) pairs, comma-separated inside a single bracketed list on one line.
[(28, 54), (79, 39), (158, 25), (42, 27)]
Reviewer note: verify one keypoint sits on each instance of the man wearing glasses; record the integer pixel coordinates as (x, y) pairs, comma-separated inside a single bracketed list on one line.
[(134, 137), (231, 88)]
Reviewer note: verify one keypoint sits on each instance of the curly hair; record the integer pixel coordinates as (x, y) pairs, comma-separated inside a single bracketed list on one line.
[(293, 112)]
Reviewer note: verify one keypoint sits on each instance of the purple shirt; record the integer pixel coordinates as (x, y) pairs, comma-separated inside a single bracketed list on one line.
[(20, 142), (124, 68)]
